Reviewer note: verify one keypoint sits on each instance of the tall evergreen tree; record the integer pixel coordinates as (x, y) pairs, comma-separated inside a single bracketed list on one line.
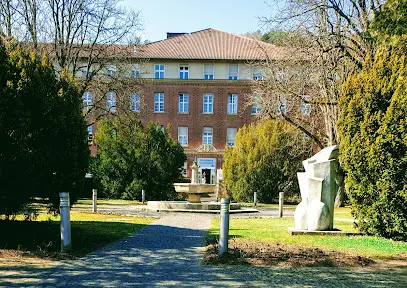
[(373, 133), (43, 148)]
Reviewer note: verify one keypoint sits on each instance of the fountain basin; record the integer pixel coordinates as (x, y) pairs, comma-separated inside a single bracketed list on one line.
[(184, 205), (194, 191)]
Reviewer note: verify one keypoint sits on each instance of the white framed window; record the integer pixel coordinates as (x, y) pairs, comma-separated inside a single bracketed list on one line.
[(207, 135), (135, 102), (159, 102), (232, 104), (183, 102), (111, 71), (159, 71), (135, 71), (233, 71), (208, 103), (84, 71), (90, 134), (183, 72), (257, 73), (230, 136), (305, 107), (87, 98), (183, 136), (184, 169), (256, 108), (111, 101), (208, 71), (281, 107)]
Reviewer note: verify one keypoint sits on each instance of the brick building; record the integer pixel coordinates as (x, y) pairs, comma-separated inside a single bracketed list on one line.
[(198, 82)]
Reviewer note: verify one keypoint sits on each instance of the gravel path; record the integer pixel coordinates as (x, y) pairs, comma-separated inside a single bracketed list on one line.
[(166, 254)]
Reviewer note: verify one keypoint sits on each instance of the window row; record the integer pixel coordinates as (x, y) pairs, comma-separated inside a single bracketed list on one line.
[(111, 71), (111, 101), (208, 72), (183, 103), (207, 136)]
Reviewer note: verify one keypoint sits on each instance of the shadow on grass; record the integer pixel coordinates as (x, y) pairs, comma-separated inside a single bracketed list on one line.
[(42, 239), (167, 256)]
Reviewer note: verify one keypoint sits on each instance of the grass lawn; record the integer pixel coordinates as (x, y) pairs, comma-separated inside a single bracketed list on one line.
[(275, 231), (108, 202), (89, 232)]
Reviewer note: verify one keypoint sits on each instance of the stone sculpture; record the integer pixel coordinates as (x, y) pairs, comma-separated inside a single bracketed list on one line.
[(318, 190)]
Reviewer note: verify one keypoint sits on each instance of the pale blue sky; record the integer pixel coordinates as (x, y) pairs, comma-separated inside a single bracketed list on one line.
[(234, 16)]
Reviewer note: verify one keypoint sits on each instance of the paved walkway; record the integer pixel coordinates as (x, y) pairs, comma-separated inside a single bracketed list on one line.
[(166, 254)]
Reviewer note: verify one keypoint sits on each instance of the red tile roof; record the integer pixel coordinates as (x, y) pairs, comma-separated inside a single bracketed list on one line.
[(211, 44)]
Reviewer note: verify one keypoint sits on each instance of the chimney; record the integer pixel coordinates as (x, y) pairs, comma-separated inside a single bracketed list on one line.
[(174, 34)]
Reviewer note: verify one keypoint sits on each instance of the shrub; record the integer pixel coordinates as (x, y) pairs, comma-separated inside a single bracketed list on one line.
[(265, 159), (132, 158), (373, 141)]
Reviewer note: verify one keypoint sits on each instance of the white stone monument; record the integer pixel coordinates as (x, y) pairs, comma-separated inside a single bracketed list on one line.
[(318, 190)]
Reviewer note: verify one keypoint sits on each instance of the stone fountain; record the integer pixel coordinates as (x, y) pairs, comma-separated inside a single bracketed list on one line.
[(194, 191)]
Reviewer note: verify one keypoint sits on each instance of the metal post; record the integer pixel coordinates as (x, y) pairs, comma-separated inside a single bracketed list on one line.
[(255, 199), (143, 196), (224, 225), (280, 204), (94, 200), (217, 192), (64, 208)]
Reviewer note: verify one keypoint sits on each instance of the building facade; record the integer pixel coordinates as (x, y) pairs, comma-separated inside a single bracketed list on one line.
[(198, 83)]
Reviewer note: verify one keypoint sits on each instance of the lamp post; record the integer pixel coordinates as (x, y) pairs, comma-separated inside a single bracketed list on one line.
[(64, 208)]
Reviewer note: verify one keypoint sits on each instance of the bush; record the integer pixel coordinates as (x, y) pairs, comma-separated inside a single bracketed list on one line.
[(132, 158), (373, 141), (43, 134), (265, 159)]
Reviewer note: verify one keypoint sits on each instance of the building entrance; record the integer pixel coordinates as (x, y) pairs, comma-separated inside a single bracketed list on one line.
[(207, 174), (207, 166)]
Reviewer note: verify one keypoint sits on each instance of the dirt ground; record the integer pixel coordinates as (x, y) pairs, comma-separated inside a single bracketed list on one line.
[(20, 258), (270, 254)]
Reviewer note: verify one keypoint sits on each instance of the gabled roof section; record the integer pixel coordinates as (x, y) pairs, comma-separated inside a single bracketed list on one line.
[(211, 44)]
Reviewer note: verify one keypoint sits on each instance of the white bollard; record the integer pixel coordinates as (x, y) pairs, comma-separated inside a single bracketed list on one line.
[(280, 204), (64, 208), (255, 199), (94, 200), (224, 225), (143, 196)]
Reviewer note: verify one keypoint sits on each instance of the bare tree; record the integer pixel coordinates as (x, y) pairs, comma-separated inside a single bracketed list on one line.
[(326, 40), (83, 37), (6, 17)]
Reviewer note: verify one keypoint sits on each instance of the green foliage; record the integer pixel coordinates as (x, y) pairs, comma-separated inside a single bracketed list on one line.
[(373, 141), (265, 159), (43, 134), (275, 37), (391, 18), (132, 158)]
